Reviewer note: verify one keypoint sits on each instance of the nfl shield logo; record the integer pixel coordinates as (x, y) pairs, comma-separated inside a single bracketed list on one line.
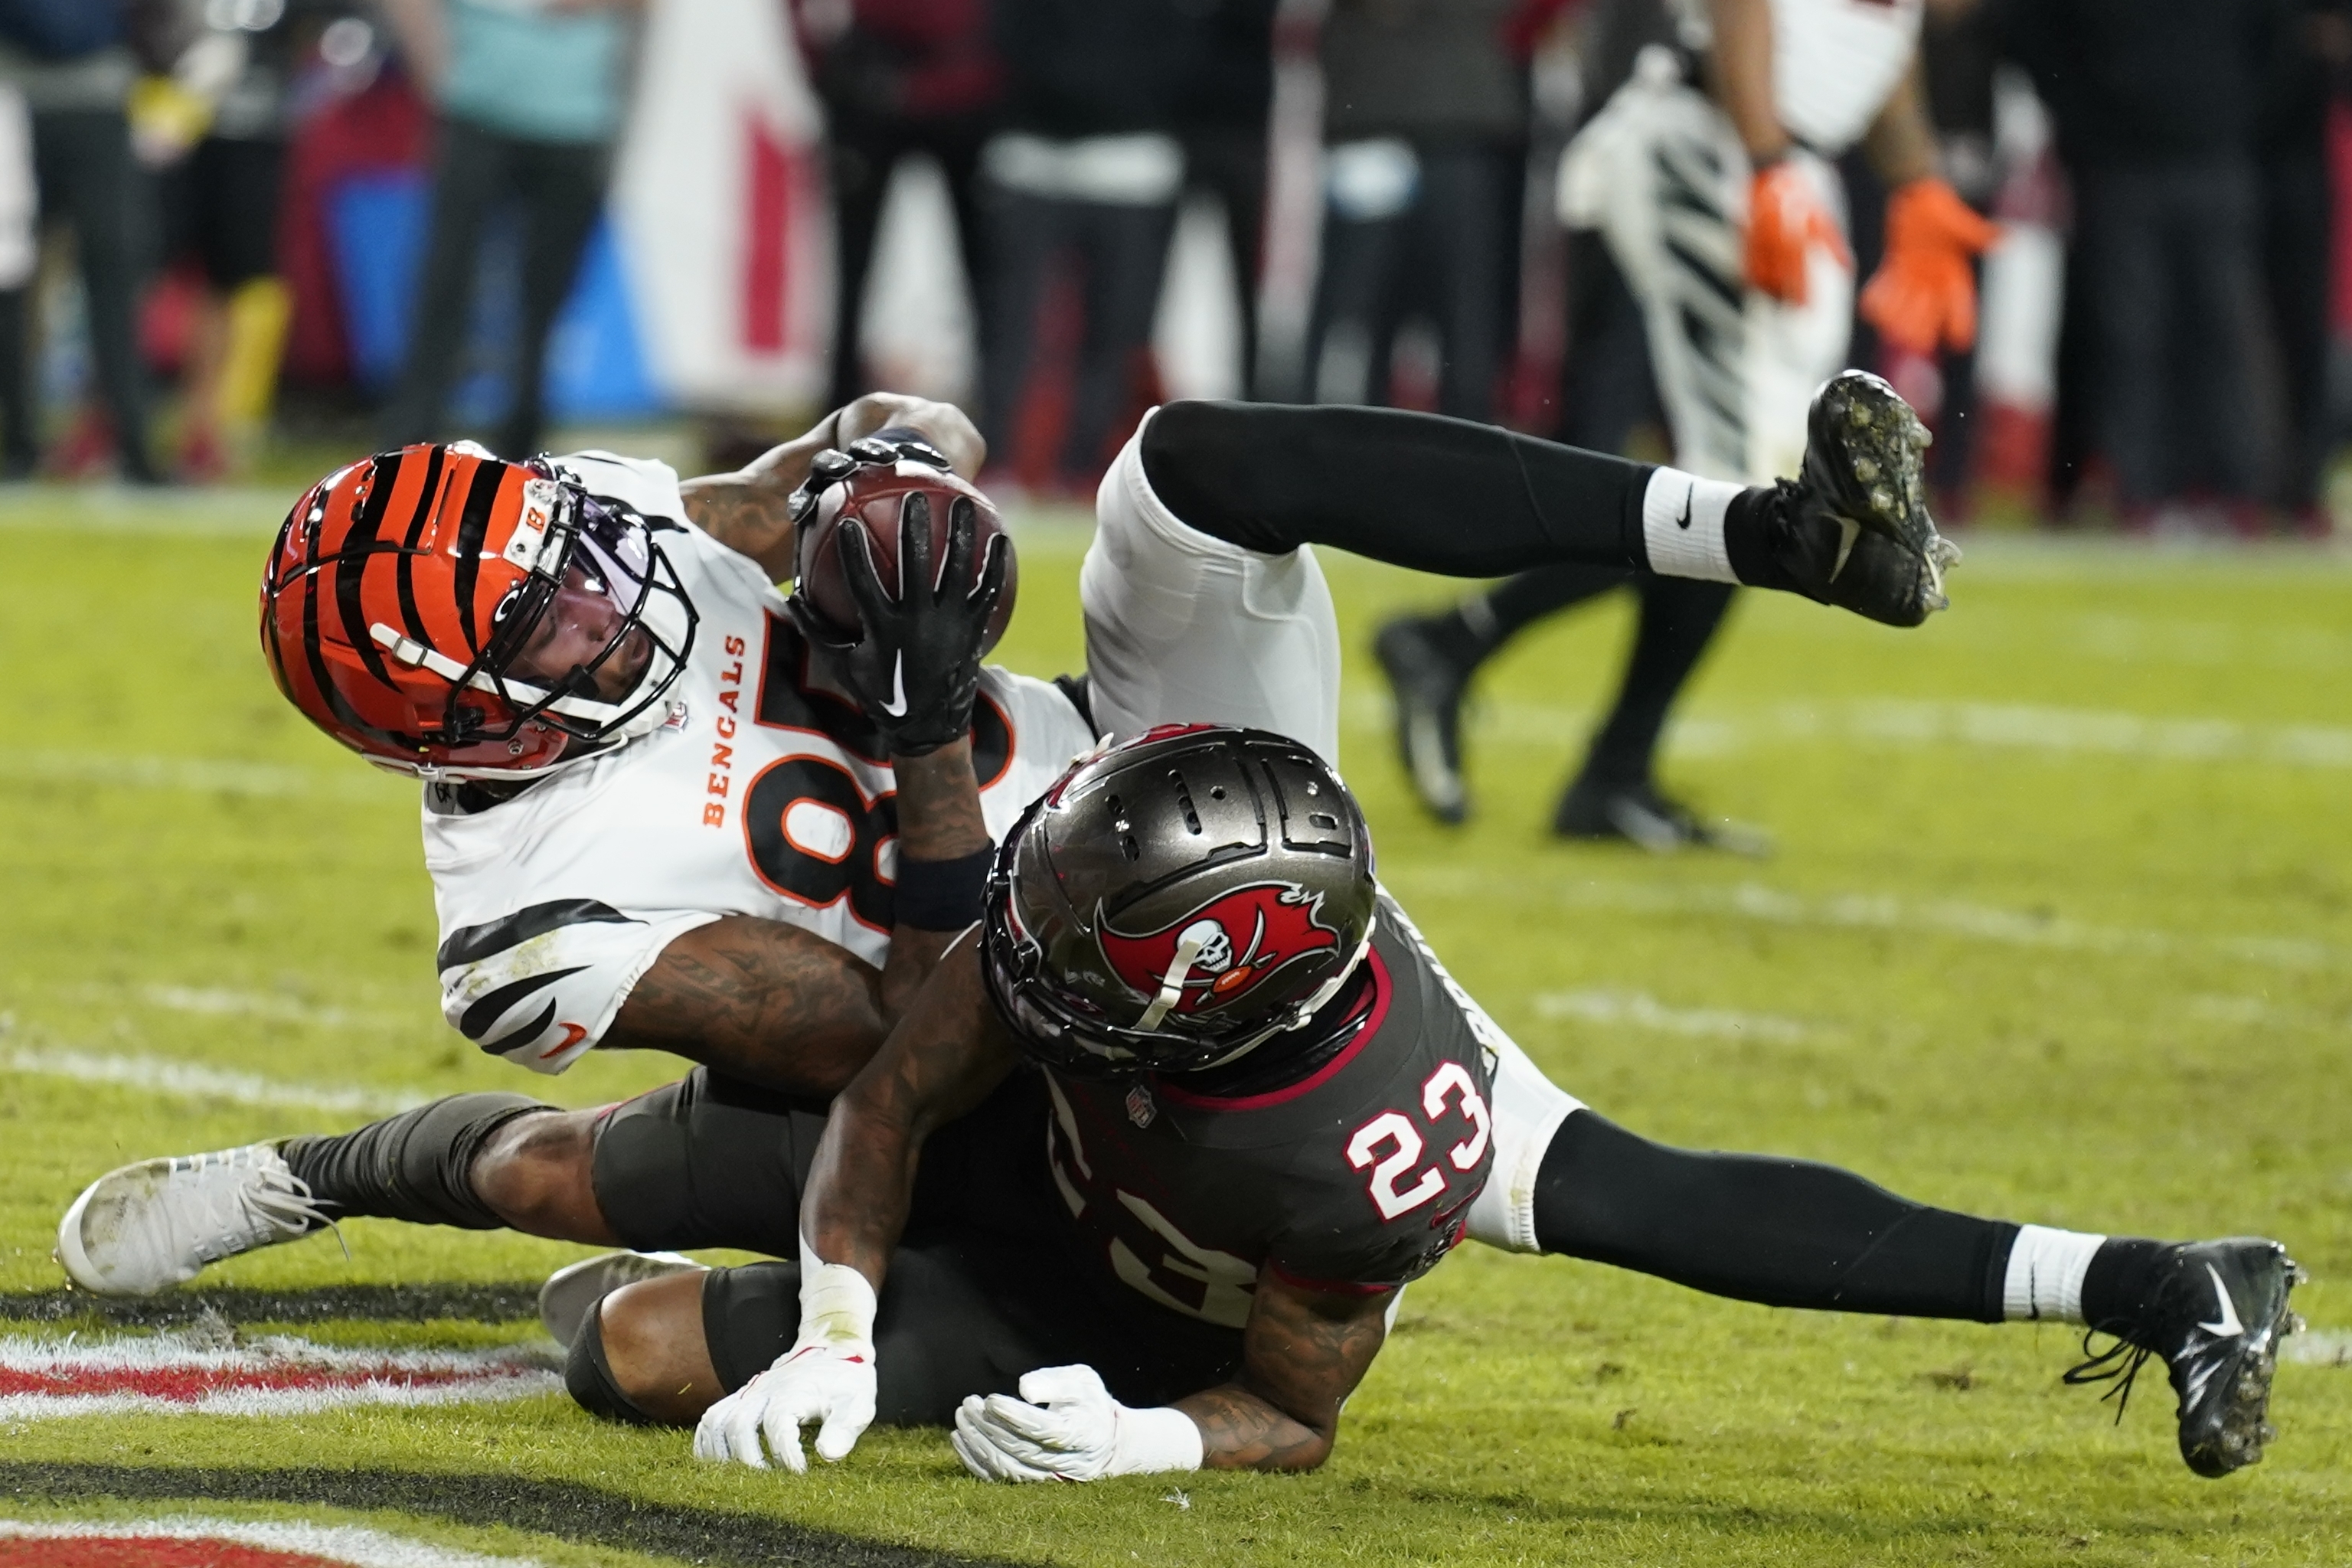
[(1139, 1108)]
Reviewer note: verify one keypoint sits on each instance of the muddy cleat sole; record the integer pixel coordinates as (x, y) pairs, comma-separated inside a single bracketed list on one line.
[(2217, 1321), (1863, 453), (1427, 688), (570, 1293), (1853, 530), (147, 1226), (1639, 814)]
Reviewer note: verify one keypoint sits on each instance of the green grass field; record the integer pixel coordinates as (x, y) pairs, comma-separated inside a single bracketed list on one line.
[(2060, 928)]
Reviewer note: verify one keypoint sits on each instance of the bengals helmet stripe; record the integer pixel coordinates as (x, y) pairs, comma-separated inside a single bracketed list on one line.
[(361, 541), (472, 524), (401, 590), (429, 496)]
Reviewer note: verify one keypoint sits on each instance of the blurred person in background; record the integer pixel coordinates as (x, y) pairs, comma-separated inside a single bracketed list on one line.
[(1709, 172), (2159, 105), (1223, 123), (1424, 130), (2297, 246), (530, 97), (897, 77), (216, 125), (1087, 171), (71, 62)]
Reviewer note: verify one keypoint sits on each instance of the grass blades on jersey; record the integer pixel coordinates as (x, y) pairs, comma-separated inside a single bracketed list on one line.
[(2060, 928)]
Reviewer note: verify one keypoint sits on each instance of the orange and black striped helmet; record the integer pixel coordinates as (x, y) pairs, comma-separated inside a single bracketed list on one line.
[(446, 613)]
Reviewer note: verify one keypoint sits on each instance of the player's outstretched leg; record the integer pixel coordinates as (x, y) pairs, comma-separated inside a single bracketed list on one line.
[(1470, 501), (159, 1223), (1791, 1233)]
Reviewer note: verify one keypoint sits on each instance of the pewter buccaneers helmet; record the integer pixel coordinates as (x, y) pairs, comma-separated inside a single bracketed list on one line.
[(446, 613), (1177, 901)]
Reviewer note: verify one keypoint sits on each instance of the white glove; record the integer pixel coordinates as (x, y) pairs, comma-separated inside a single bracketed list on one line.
[(1066, 1426), (827, 1376)]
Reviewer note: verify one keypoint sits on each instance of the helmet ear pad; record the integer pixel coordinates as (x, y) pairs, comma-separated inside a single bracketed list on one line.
[(877, 495), (1178, 901)]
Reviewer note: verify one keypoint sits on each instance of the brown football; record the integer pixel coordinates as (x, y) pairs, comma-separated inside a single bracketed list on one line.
[(876, 496)]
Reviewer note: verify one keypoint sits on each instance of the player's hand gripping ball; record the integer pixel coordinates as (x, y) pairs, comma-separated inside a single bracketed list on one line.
[(907, 579)]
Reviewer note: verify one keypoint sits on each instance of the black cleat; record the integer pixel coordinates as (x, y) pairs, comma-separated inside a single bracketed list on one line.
[(1428, 688), (1639, 814), (2216, 1319), (1854, 529)]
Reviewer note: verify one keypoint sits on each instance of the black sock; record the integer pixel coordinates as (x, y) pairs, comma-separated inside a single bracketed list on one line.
[(1679, 618), (416, 1166), (1412, 490), (2120, 1287), (1786, 1233)]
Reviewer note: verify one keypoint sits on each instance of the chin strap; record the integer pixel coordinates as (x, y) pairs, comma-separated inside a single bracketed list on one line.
[(1172, 984)]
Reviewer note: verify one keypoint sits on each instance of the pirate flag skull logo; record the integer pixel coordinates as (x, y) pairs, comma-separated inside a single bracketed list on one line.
[(1222, 953)]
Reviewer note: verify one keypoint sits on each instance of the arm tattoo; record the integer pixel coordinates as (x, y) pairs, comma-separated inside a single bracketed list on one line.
[(745, 514), (1302, 1353), (760, 1000), (940, 1060)]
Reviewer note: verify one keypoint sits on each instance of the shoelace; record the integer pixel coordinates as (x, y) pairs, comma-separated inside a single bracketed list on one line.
[(280, 1201), (2102, 1368)]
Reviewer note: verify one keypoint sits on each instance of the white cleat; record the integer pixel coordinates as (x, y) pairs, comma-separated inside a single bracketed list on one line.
[(159, 1223), (570, 1292)]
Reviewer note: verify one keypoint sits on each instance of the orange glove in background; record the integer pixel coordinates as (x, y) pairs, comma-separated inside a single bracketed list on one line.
[(1785, 221), (1925, 293)]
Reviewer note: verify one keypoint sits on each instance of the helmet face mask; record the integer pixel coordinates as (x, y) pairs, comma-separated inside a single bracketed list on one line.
[(1177, 903), (490, 620)]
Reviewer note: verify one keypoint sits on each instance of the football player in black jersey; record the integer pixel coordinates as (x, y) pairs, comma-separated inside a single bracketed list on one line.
[(1266, 1107)]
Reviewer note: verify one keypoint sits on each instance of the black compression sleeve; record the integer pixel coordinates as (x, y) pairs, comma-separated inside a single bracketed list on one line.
[(1412, 490), (1787, 1233)]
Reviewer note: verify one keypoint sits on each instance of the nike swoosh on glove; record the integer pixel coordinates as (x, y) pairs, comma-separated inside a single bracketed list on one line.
[(1066, 1426), (1924, 293), (830, 1384), (1785, 220), (916, 669)]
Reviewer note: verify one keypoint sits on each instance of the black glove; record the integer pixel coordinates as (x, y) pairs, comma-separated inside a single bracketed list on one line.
[(916, 671)]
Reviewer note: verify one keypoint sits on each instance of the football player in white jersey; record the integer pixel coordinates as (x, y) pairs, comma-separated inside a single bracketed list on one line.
[(1710, 173)]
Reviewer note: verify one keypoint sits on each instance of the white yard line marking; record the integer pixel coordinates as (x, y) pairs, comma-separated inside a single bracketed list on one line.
[(216, 1002), (1645, 1011), (1904, 724), (1868, 912), (351, 1544), (191, 1081), (209, 776), (2318, 1347)]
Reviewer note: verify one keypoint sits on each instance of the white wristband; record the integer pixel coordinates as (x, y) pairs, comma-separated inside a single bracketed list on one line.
[(837, 1304), (1161, 1438)]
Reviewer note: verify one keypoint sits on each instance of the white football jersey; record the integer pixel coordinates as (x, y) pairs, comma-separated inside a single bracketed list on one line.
[(1837, 62), (765, 793), (1834, 62)]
